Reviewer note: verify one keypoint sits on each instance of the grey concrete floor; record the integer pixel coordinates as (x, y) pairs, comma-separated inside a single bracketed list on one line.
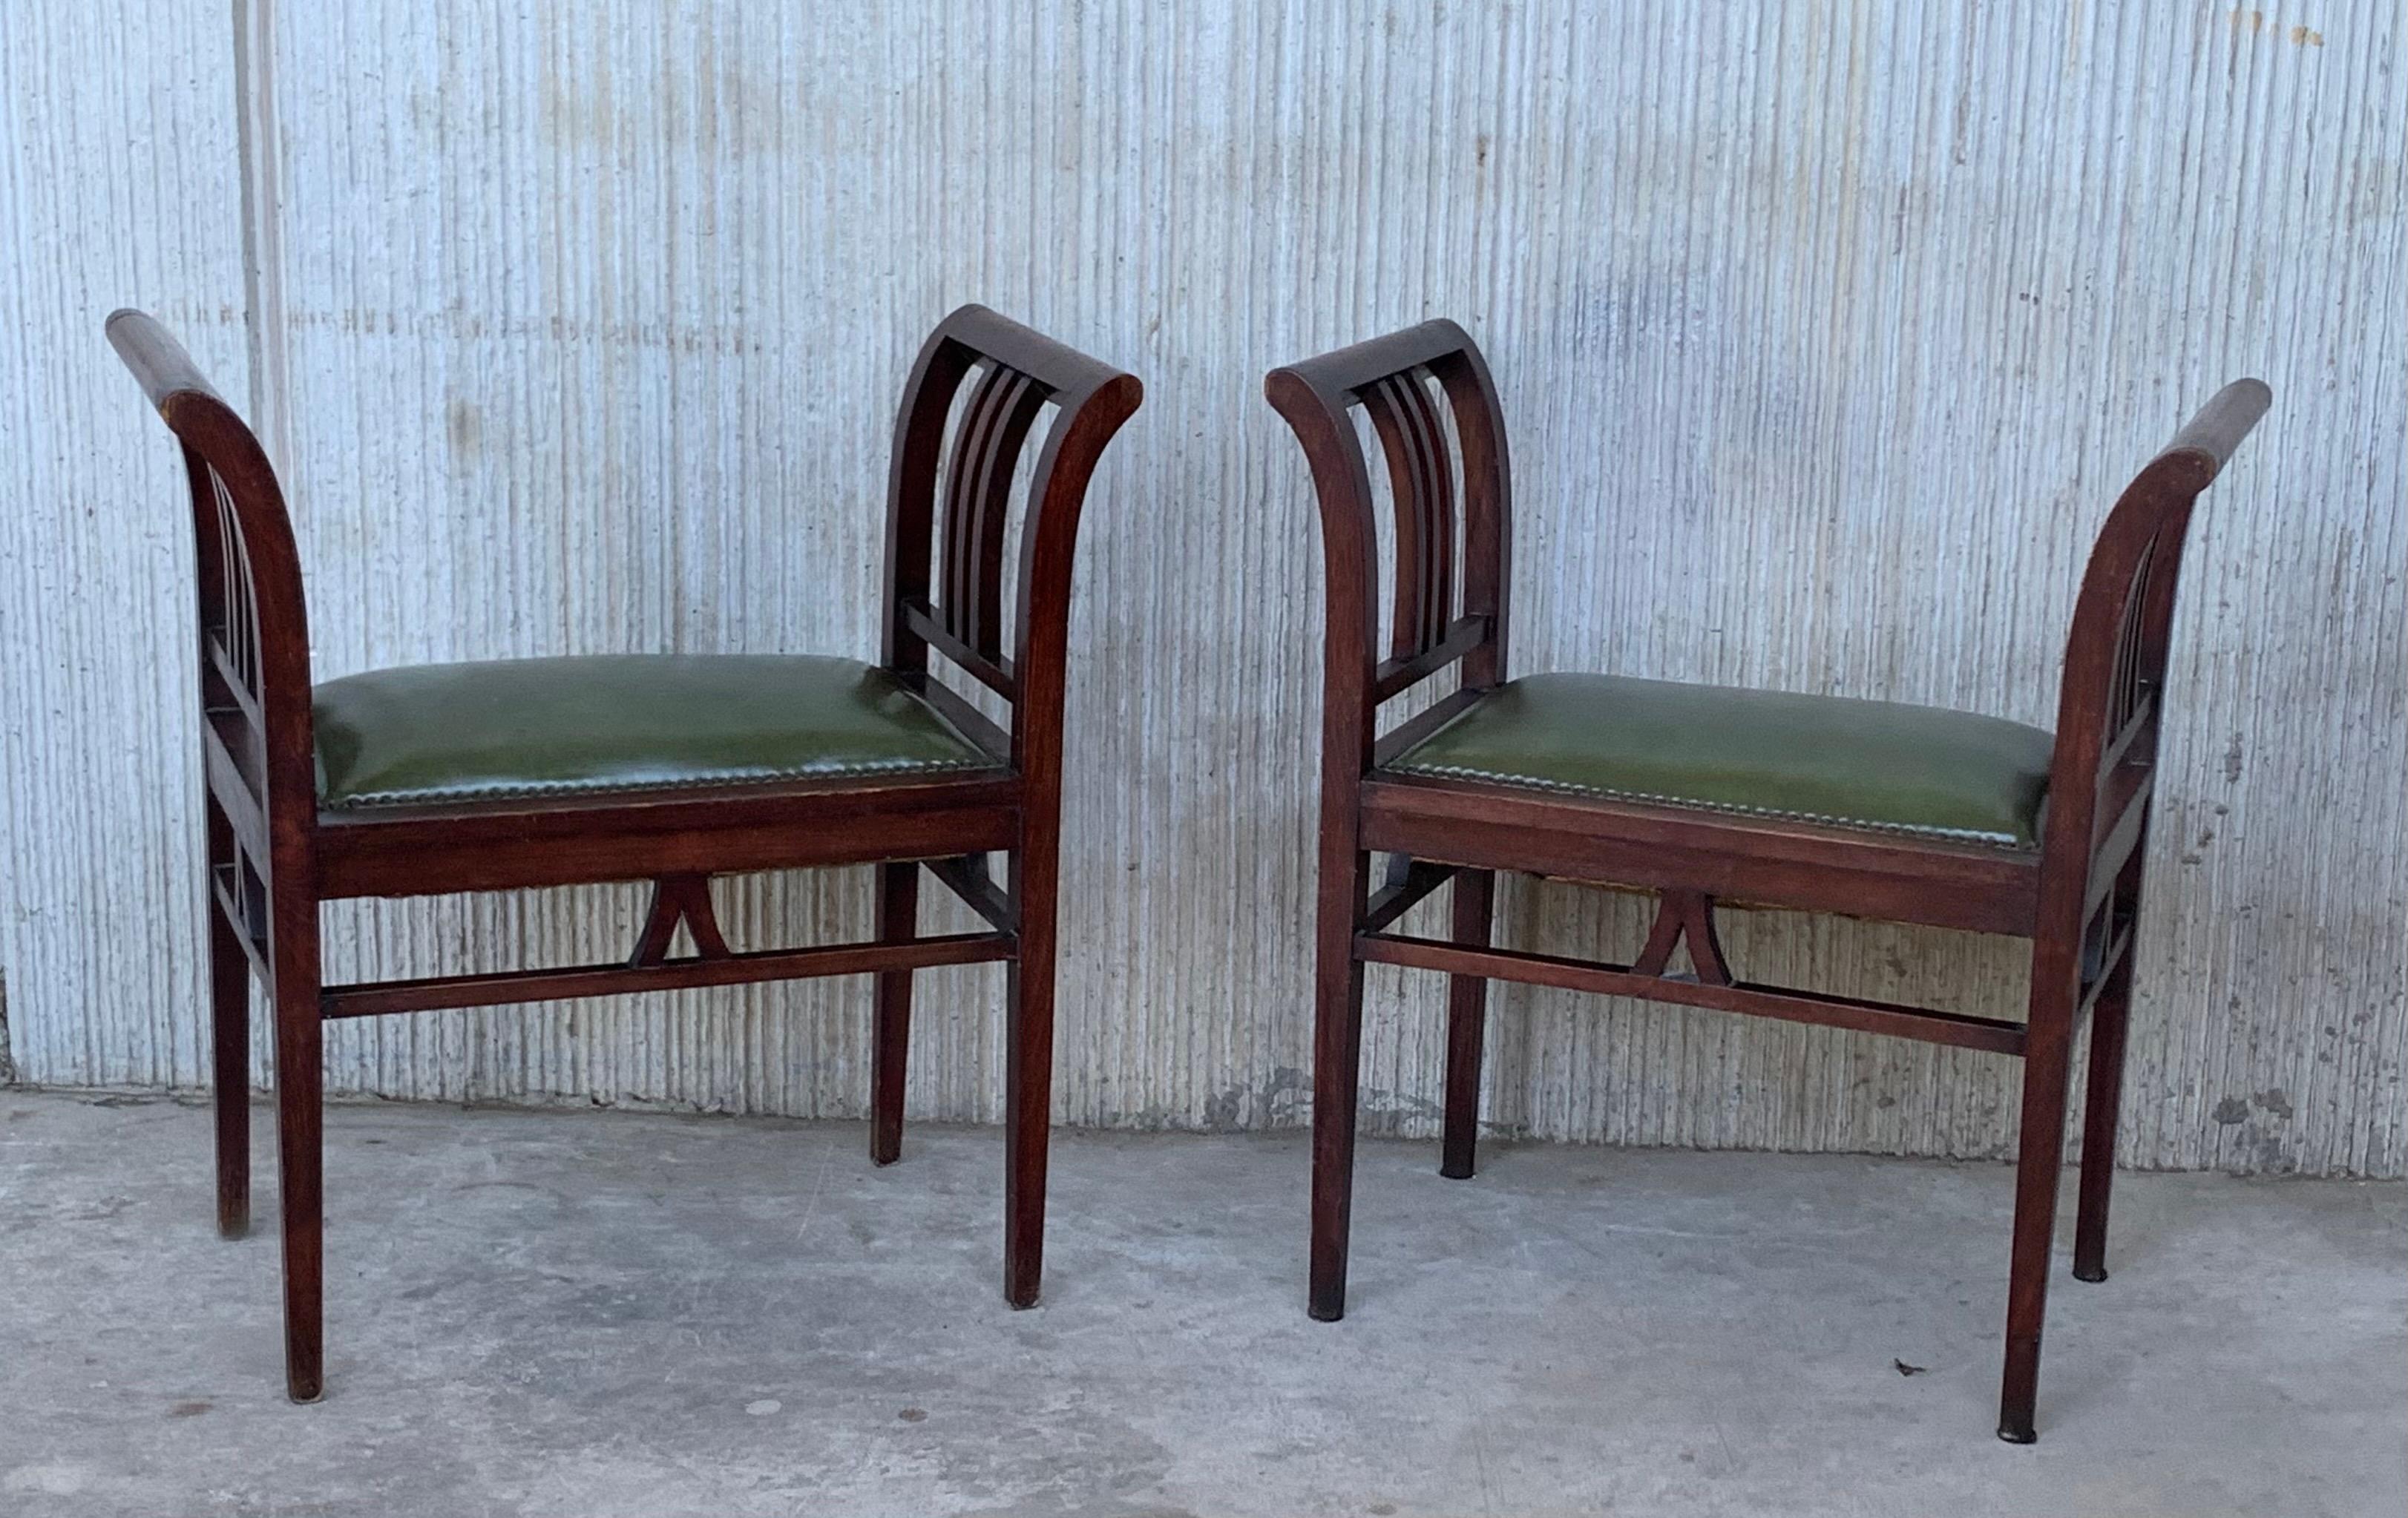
[(613, 1313)]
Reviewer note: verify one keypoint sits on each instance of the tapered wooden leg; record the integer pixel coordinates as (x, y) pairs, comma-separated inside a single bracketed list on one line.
[(300, 1094), (1028, 1073), (230, 1072), (2040, 1154), (2109, 1019), (1467, 1017), (1337, 1059), (898, 908), (229, 1046)]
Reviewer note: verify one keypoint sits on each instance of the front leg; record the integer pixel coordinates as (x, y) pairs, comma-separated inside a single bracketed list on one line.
[(898, 907), (2040, 1154), (300, 1104), (1028, 1073), (1338, 1053)]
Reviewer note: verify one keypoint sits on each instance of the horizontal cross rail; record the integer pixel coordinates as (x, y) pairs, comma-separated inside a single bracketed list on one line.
[(1997, 1037), (372, 999), (2143, 722), (225, 888), (2117, 949), (1420, 724), (994, 674), (966, 876), (975, 725), (1394, 676), (235, 793), (222, 664), (1401, 894)]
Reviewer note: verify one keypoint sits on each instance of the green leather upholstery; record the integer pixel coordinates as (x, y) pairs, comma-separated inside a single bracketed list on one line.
[(1814, 758), (528, 727)]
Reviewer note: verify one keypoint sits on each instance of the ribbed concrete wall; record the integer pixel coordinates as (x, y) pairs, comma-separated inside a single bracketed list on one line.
[(1826, 334)]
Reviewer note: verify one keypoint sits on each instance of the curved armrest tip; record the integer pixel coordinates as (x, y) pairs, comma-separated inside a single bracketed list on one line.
[(1284, 387), (2218, 430)]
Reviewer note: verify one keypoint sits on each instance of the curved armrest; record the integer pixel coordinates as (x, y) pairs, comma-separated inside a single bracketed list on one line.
[(2116, 655), (1342, 371), (2219, 425), (1057, 366), (159, 361)]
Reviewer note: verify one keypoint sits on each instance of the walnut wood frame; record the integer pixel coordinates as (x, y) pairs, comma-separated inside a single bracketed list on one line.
[(272, 856), (2075, 897)]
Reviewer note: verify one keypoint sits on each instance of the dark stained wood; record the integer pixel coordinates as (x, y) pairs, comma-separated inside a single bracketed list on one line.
[(244, 910), (1337, 1058), (230, 963), (2110, 1018), (377, 999), (1003, 407), (300, 1100), (1467, 1026), (1415, 444), (1314, 397), (890, 1048), (974, 724), (1409, 732), (967, 878), (1662, 937), (679, 899), (1405, 889), (2080, 886), (1395, 676), (989, 669), (1028, 1056), (1704, 942), (496, 853), (1684, 917), (2117, 644), (2101, 980), (1762, 861), (1783, 1002), (273, 857)]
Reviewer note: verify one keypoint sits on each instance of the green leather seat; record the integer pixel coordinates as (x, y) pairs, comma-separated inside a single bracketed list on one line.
[(532, 727), (1767, 753)]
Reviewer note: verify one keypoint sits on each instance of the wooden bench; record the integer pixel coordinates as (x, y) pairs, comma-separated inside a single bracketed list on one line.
[(548, 772), (1695, 794)]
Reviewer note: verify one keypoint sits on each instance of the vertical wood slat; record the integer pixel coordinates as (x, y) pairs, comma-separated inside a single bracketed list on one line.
[(2125, 689), (981, 415), (238, 631), (1003, 405), (234, 577), (1422, 478)]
